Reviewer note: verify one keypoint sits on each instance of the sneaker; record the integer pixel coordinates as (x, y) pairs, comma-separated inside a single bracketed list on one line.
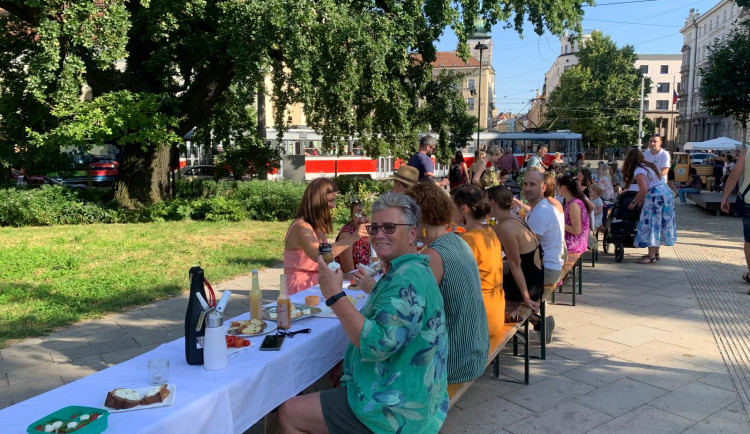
[(549, 327)]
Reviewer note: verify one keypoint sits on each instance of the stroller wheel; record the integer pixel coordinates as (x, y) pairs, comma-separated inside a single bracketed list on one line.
[(619, 252)]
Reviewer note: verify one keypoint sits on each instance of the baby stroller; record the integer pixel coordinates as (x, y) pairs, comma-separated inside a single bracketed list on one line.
[(621, 225)]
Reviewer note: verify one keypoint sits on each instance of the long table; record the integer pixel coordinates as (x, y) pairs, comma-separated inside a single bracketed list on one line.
[(230, 400)]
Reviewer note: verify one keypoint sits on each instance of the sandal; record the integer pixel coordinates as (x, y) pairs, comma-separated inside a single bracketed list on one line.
[(657, 256), (646, 259)]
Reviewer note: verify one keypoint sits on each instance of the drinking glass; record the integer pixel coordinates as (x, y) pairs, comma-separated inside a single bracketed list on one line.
[(158, 371)]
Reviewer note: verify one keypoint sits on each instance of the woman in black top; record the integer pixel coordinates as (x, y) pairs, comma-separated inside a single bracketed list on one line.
[(523, 279)]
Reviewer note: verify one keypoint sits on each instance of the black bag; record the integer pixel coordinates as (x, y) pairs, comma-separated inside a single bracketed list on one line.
[(739, 203), (455, 175)]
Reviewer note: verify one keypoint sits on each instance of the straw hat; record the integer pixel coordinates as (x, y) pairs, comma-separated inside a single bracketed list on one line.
[(406, 174)]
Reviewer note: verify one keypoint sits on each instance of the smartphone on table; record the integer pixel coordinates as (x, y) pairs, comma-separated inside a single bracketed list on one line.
[(272, 343)]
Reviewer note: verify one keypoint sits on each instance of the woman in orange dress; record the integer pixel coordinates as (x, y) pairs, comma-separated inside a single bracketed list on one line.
[(471, 209)]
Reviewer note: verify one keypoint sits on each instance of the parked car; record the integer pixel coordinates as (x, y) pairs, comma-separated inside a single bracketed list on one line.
[(201, 172), (701, 158), (103, 173)]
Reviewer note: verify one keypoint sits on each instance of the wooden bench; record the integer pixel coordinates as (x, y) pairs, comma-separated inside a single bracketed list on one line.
[(508, 333), (711, 201), (497, 343), (574, 267)]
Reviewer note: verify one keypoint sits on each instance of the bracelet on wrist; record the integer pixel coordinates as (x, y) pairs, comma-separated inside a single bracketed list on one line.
[(335, 298)]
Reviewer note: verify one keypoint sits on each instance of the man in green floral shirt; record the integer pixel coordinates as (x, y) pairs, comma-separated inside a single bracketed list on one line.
[(395, 368)]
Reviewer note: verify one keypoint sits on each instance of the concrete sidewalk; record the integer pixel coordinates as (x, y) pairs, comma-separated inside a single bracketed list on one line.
[(647, 348)]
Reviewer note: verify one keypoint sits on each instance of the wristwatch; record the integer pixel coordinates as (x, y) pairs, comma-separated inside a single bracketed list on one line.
[(335, 298)]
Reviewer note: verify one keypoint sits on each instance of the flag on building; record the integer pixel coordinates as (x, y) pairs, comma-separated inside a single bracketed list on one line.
[(674, 97)]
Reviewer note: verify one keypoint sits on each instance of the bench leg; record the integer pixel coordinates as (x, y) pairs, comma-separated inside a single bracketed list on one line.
[(553, 298), (543, 330), (515, 345), (580, 278), (526, 352), (574, 271), (496, 367)]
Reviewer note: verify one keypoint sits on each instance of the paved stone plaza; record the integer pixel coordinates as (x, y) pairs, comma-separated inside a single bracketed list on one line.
[(647, 348)]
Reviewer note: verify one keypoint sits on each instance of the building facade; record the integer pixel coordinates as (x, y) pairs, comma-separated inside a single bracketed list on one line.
[(660, 104), (471, 88), (569, 46), (700, 31)]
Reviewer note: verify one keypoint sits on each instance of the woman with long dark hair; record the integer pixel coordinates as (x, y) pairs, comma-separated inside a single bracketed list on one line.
[(576, 214), (459, 166), (657, 224), (309, 228), (359, 252)]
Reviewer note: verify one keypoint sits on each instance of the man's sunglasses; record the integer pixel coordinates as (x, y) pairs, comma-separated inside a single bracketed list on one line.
[(388, 228)]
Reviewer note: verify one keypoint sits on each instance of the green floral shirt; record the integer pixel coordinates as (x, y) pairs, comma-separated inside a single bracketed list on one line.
[(397, 380)]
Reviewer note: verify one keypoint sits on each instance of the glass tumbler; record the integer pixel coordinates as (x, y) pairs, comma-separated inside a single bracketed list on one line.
[(158, 371)]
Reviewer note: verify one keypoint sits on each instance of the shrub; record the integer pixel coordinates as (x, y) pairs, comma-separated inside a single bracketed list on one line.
[(270, 200)]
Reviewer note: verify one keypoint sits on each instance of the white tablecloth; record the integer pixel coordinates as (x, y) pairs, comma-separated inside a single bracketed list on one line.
[(225, 401)]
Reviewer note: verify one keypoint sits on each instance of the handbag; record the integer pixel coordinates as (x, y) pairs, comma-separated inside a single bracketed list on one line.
[(739, 203)]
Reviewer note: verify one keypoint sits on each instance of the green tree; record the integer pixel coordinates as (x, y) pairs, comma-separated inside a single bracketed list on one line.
[(352, 65), (600, 96), (725, 85)]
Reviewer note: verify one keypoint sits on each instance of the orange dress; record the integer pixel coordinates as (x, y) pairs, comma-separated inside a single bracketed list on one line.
[(488, 252)]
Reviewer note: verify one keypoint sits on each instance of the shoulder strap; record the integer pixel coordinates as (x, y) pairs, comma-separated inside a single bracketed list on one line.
[(536, 239)]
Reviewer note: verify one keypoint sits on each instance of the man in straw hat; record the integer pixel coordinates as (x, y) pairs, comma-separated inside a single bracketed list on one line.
[(404, 178)]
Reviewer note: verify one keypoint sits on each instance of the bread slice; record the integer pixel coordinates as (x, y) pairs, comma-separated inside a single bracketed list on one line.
[(122, 398), (155, 395)]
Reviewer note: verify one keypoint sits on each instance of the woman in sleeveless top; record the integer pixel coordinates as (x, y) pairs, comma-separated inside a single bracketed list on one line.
[(576, 215), (457, 276), (471, 209), (523, 281), (309, 228)]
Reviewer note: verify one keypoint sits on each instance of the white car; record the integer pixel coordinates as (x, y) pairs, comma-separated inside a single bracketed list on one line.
[(701, 158)]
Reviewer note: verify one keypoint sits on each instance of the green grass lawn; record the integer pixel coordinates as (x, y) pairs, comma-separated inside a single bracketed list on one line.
[(54, 276)]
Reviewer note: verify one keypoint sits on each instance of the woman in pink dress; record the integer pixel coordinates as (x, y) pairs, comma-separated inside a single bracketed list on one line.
[(576, 215), (309, 228)]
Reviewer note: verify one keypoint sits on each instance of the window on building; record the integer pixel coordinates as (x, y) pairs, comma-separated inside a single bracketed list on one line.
[(566, 49), (470, 103), (664, 69), (662, 88), (644, 69), (567, 67), (470, 83), (645, 104), (662, 104)]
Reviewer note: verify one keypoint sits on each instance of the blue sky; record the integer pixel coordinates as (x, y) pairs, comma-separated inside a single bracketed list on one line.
[(652, 26)]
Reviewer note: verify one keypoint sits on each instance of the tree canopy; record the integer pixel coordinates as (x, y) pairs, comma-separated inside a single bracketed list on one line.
[(725, 85), (359, 67), (600, 96)]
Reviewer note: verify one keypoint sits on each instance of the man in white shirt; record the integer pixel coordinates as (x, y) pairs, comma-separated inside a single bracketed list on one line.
[(546, 224), (658, 156)]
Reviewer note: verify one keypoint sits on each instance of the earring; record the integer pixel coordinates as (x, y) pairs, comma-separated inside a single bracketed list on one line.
[(424, 233)]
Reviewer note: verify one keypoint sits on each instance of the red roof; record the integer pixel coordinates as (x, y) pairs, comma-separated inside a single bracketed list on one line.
[(449, 59)]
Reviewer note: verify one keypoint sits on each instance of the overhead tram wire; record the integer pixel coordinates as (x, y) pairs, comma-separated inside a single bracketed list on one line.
[(619, 3)]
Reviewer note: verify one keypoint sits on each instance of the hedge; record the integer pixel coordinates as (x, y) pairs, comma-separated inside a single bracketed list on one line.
[(197, 200)]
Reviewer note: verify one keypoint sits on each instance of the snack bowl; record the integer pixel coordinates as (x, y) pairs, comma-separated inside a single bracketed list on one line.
[(73, 413)]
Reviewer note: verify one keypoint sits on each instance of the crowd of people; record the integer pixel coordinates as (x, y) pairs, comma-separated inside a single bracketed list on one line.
[(451, 262)]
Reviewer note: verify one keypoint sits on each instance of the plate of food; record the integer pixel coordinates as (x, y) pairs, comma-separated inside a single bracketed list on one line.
[(254, 327), (122, 399), (299, 311), (235, 344)]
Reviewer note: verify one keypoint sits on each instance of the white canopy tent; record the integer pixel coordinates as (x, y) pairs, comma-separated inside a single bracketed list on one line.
[(717, 144)]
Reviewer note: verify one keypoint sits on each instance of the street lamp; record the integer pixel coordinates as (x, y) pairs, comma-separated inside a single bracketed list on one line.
[(481, 47)]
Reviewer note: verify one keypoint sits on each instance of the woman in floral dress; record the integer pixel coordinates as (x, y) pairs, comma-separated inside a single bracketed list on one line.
[(657, 225), (359, 252)]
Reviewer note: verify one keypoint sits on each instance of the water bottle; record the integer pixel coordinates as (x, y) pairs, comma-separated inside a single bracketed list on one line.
[(193, 338)]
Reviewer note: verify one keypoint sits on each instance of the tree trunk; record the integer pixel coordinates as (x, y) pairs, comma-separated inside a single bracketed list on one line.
[(143, 176)]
